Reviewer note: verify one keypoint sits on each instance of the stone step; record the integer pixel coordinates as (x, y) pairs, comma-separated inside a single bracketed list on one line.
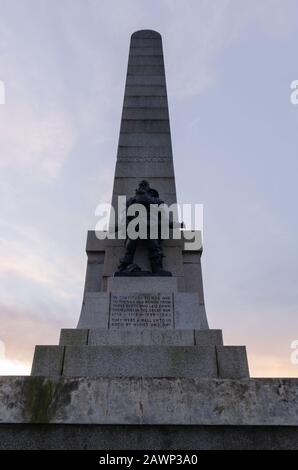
[(146, 337), (141, 361)]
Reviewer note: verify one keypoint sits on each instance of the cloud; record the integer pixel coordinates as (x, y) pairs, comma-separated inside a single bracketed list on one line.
[(38, 295), (21, 331), (270, 365), (34, 142), (37, 132), (199, 32), (12, 366), (23, 251)]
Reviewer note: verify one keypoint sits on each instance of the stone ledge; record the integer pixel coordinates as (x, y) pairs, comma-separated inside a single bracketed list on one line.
[(138, 437), (150, 401), (139, 361), (232, 362), (102, 336), (48, 360), (142, 284)]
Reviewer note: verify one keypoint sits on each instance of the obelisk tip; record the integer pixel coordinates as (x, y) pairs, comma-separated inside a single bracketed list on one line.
[(145, 34)]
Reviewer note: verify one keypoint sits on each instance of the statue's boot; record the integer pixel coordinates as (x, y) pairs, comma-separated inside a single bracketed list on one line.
[(127, 267), (123, 265), (157, 266)]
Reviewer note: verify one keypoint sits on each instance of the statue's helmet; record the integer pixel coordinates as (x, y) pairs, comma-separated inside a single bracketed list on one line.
[(143, 186), (154, 192)]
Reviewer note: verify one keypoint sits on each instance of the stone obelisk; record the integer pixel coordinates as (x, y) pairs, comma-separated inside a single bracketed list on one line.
[(144, 153), (148, 321), (145, 148), (143, 370)]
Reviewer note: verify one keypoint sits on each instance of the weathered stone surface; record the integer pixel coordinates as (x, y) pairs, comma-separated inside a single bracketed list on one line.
[(151, 69), (73, 337), (98, 312), (140, 361), (143, 139), (143, 90), (145, 51), (141, 310), (149, 401), (148, 153), (148, 42), (207, 337), (94, 272), (169, 198), (47, 360), (94, 244), (188, 312), (193, 279), (146, 337), (150, 170), (232, 362), (137, 62), (145, 34), (53, 360), (139, 437), (148, 284), (143, 79), (95, 310), (128, 185), (146, 101), (146, 125)]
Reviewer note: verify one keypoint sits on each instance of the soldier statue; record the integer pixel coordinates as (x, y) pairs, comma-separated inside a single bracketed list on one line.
[(145, 196)]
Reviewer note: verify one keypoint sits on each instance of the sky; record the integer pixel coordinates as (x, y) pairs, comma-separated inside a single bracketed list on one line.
[(229, 67)]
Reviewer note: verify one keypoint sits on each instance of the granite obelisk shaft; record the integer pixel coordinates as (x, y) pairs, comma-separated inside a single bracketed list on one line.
[(145, 148)]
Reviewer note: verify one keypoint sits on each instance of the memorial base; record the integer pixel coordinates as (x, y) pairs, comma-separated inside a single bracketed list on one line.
[(149, 413), (155, 438)]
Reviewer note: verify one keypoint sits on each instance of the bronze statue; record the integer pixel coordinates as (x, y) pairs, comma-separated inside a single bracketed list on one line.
[(144, 195)]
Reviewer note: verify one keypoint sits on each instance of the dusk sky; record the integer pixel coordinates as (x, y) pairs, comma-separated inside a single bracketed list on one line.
[(229, 67)]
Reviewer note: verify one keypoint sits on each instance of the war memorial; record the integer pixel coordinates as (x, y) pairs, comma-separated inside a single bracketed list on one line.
[(142, 369)]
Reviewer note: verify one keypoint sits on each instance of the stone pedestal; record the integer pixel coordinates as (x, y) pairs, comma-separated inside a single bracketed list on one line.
[(141, 327), (149, 302)]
